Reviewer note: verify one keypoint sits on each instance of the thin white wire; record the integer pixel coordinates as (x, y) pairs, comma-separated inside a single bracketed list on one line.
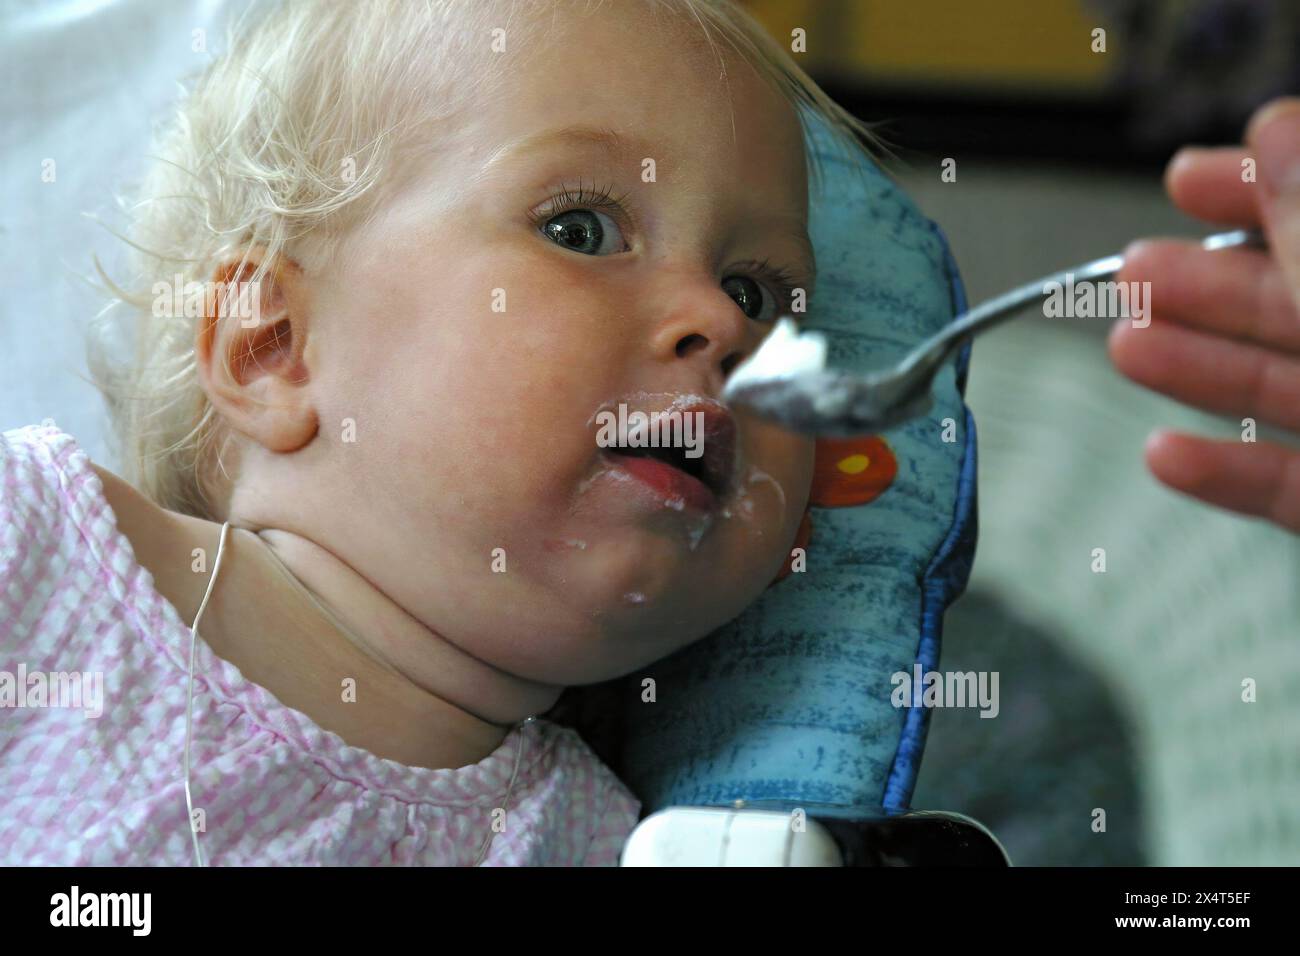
[(519, 752), (189, 705), (189, 709)]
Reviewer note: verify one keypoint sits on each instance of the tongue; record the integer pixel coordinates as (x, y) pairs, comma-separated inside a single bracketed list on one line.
[(671, 481), (669, 456)]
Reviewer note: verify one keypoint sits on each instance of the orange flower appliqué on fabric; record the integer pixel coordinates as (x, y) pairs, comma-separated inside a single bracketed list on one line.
[(846, 472), (851, 471)]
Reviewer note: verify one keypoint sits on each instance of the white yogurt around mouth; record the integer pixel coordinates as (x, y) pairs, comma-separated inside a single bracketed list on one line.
[(785, 353)]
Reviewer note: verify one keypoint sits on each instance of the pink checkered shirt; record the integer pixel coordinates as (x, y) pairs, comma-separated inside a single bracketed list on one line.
[(78, 788)]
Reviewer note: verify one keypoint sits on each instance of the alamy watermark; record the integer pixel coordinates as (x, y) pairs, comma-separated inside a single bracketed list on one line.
[(636, 429), (70, 689), (178, 298), (946, 689), (1098, 300), (130, 910)]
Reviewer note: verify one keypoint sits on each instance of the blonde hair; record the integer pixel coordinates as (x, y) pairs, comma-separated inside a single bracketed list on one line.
[(285, 143)]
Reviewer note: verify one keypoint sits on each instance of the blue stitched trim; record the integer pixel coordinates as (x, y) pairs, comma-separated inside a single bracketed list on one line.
[(944, 579)]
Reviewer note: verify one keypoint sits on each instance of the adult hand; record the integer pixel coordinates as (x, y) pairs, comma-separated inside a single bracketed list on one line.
[(1225, 325)]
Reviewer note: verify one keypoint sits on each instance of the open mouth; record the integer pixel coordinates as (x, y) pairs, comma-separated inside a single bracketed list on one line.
[(698, 482)]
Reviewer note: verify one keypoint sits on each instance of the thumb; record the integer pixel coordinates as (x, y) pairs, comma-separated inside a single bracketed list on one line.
[(1273, 138)]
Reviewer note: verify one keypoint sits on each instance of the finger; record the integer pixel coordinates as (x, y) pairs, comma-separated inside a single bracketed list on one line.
[(1208, 371), (1239, 293), (1254, 478), (1274, 138), (1212, 184)]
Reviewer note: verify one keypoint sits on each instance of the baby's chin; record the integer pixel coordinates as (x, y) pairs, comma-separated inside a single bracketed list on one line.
[(628, 577), (603, 604), (649, 589)]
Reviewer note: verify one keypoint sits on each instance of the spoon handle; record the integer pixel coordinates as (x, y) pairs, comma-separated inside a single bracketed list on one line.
[(935, 350)]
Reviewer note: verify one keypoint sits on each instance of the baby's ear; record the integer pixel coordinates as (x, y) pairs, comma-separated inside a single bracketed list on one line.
[(251, 351)]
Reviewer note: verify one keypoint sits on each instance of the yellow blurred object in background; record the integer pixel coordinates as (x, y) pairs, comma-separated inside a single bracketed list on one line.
[(1023, 46)]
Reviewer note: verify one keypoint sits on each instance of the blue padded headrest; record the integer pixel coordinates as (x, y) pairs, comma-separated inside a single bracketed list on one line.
[(792, 700)]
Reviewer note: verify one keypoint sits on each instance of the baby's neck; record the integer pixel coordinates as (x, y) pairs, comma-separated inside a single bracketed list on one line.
[(354, 662)]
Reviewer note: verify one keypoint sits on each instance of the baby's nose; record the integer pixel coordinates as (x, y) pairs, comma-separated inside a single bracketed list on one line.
[(714, 334)]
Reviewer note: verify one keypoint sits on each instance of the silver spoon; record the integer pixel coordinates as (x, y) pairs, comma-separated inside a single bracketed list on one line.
[(822, 401)]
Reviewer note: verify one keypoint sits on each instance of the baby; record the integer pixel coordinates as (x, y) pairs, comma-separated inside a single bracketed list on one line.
[(462, 231)]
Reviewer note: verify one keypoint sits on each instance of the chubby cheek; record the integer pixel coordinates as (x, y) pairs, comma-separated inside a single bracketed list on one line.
[(486, 450), (489, 409)]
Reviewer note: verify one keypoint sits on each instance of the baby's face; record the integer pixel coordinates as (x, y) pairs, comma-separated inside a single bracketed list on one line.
[(479, 324)]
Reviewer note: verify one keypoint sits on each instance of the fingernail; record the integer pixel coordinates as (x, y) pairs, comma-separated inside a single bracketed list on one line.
[(1274, 135), (1188, 154), (1135, 248), (1131, 253)]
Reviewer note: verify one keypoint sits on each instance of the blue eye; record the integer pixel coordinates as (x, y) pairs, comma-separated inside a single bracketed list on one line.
[(570, 219), (585, 231)]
